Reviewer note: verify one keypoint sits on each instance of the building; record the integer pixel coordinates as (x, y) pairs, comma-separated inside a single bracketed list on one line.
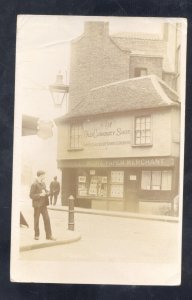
[(118, 147), (98, 58)]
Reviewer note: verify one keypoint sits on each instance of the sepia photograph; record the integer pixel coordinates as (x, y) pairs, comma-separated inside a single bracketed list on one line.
[(98, 156)]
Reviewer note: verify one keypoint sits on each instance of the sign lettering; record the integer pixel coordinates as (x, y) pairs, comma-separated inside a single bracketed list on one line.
[(122, 162)]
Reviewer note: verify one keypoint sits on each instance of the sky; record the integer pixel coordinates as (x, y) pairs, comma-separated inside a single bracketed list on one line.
[(43, 49)]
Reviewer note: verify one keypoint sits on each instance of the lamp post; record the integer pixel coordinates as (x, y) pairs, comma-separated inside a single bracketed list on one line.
[(59, 90)]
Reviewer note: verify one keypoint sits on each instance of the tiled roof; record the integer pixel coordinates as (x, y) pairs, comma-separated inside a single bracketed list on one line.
[(149, 47), (137, 35), (131, 94)]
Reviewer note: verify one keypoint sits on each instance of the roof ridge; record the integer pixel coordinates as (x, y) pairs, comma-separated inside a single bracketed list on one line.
[(121, 81), (137, 35)]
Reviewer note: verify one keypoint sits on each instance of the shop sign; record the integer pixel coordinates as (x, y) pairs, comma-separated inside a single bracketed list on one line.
[(107, 132), (82, 179), (121, 162)]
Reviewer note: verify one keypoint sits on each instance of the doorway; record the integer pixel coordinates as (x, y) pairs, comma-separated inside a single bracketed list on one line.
[(131, 191)]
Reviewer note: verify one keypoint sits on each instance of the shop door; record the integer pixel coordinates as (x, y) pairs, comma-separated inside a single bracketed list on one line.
[(68, 185), (131, 186)]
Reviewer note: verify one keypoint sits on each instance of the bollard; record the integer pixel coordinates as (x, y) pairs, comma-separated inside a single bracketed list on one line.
[(71, 224)]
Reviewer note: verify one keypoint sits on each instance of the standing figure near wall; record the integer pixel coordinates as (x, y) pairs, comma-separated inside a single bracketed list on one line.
[(54, 190)]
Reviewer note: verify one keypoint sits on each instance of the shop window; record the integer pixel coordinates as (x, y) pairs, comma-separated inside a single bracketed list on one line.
[(156, 180), (76, 136), (92, 185), (166, 180), (82, 185), (117, 184), (98, 186), (139, 72), (143, 130)]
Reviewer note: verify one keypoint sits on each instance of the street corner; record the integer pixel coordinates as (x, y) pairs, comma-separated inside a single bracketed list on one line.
[(28, 243)]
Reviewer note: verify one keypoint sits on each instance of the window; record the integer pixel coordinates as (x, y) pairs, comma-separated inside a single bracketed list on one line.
[(98, 186), (156, 180), (117, 184), (92, 185), (139, 72), (76, 136), (143, 130)]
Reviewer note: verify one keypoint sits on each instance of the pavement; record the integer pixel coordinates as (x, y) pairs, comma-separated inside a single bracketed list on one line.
[(129, 215), (59, 225), (59, 229)]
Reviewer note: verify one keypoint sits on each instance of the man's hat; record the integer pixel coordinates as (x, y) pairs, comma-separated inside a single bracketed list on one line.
[(40, 172)]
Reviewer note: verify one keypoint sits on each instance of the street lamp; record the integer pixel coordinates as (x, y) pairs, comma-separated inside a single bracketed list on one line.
[(59, 90)]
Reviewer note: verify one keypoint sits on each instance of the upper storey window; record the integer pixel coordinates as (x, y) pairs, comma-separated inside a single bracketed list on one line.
[(143, 134), (76, 136)]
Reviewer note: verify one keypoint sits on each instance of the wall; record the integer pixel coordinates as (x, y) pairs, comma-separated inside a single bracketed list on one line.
[(95, 60), (169, 61), (175, 131), (113, 137), (152, 64)]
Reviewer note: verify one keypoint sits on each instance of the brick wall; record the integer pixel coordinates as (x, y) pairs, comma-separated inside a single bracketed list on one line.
[(95, 60), (152, 64), (98, 59)]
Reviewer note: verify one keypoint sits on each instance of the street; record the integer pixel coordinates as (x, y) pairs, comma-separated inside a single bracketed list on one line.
[(113, 239)]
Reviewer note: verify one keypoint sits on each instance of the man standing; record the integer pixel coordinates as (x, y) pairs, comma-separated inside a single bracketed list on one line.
[(54, 190), (39, 195)]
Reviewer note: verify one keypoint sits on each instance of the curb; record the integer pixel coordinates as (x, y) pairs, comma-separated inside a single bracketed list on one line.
[(121, 215), (50, 244)]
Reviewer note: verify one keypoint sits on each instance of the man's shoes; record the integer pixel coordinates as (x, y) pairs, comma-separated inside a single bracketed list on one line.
[(51, 238), (36, 237)]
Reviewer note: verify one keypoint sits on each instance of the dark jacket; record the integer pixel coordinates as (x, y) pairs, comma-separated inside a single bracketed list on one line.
[(36, 189), (54, 187)]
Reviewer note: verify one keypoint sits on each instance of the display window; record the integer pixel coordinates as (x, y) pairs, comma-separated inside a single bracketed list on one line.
[(92, 185), (98, 186), (99, 183), (117, 184)]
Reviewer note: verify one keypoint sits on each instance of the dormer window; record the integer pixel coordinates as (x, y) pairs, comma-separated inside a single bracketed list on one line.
[(139, 72)]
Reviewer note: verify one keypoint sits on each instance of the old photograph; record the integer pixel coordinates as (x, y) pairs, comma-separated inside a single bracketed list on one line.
[(98, 150)]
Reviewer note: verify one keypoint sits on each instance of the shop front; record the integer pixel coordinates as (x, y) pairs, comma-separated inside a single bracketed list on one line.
[(124, 184)]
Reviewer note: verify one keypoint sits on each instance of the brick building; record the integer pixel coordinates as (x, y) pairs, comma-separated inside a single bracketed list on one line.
[(98, 58), (118, 147)]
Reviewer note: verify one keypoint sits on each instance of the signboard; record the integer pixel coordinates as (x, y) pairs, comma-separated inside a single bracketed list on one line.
[(107, 132), (118, 162), (82, 178)]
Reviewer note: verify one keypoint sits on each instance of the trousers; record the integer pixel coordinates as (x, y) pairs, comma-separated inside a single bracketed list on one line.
[(55, 198), (47, 225)]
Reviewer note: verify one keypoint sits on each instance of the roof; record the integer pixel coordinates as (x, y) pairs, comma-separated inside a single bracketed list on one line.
[(137, 35), (126, 95), (148, 46)]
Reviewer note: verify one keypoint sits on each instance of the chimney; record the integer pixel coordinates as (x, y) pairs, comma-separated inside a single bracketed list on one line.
[(96, 29)]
